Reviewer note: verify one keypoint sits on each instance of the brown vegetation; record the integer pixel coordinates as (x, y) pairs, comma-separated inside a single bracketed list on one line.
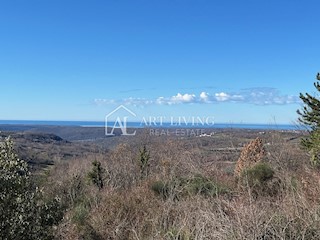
[(189, 193), (188, 189), (251, 154)]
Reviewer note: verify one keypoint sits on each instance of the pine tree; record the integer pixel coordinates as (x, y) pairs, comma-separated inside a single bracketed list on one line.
[(96, 175), (144, 157), (310, 117)]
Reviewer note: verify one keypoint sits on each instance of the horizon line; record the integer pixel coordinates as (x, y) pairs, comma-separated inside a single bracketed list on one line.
[(164, 122)]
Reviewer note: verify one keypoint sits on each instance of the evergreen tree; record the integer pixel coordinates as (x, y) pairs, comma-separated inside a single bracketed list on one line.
[(96, 176), (310, 117), (144, 157)]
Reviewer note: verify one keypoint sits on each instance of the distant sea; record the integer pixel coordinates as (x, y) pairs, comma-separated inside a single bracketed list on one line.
[(139, 125)]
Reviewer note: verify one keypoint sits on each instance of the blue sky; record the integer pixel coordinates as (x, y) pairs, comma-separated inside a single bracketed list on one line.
[(239, 61)]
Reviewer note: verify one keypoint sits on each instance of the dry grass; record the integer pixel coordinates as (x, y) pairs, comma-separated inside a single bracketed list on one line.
[(127, 208)]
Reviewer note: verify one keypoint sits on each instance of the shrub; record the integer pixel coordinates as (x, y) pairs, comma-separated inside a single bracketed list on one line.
[(259, 173), (168, 189), (204, 186), (80, 216), (25, 213), (161, 188), (80, 213), (75, 190), (260, 179), (195, 185)]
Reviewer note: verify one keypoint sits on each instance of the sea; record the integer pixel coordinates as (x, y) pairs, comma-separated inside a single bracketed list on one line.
[(271, 126)]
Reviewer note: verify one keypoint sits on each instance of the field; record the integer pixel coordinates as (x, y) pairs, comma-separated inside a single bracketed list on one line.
[(174, 187)]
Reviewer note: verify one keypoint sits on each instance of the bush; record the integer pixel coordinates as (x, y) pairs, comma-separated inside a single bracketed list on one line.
[(259, 173), (260, 179), (161, 188), (80, 214), (195, 185), (204, 186), (25, 214), (168, 189), (75, 192)]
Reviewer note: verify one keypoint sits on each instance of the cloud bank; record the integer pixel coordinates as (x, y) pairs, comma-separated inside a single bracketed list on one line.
[(256, 96)]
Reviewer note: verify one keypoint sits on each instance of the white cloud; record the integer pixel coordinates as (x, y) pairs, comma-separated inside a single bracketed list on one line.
[(205, 97), (221, 97), (127, 101), (256, 96), (185, 98), (99, 101), (137, 101), (177, 99), (160, 100), (267, 96)]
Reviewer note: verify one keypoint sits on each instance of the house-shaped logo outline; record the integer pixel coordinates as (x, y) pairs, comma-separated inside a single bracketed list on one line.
[(124, 132)]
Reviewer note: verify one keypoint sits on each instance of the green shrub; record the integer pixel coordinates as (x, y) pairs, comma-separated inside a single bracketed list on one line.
[(167, 189), (75, 190), (260, 179), (25, 213), (180, 187), (161, 188), (259, 174), (204, 186), (80, 214)]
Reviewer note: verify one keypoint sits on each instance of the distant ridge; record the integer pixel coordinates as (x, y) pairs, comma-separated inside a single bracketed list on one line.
[(20, 124)]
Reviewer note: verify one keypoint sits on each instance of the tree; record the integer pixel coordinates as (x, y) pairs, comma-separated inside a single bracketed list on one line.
[(310, 117), (24, 213), (96, 176), (144, 157)]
